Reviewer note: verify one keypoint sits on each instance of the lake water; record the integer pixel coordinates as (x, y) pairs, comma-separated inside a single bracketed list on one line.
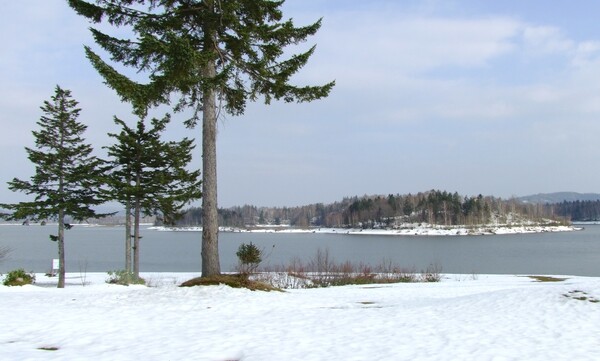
[(101, 249)]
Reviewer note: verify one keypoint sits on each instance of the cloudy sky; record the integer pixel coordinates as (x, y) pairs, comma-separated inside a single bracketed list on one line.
[(493, 97)]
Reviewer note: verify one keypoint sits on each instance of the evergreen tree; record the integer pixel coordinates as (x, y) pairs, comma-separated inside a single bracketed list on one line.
[(67, 180), (150, 178), (210, 53)]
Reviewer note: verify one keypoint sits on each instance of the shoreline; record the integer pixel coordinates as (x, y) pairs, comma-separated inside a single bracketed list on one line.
[(407, 230)]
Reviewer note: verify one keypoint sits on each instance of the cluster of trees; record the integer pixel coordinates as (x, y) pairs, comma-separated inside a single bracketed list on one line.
[(434, 207), (582, 211), (147, 175), (202, 56)]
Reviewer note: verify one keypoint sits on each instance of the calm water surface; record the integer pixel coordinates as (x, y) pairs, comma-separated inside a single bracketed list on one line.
[(95, 249)]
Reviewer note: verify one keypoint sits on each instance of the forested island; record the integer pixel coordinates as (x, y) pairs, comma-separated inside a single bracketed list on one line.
[(434, 207)]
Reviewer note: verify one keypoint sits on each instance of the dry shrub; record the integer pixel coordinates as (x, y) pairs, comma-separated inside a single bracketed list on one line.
[(323, 271), (432, 273)]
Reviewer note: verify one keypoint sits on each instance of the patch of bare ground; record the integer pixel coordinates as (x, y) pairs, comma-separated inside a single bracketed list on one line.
[(547, 279), (231, 280)]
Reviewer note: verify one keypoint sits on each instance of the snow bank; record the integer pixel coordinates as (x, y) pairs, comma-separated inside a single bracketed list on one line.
[(464, 317), (408, 230)]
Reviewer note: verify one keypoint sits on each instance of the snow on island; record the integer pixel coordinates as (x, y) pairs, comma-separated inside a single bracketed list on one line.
[(421, 229)]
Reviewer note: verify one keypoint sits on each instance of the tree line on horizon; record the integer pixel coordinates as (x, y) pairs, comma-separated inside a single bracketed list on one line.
[(576, 211), (434, 207)]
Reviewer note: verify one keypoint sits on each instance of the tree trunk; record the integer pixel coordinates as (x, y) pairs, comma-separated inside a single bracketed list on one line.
[(61, 249), (210, 225), (136, 239), (128, 267)]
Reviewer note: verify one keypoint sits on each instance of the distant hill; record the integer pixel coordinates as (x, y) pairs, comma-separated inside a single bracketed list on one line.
[(559, 197)]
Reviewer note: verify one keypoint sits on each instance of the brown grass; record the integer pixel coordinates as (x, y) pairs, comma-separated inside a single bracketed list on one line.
[(231, 280), (547, 279), (323, 271)]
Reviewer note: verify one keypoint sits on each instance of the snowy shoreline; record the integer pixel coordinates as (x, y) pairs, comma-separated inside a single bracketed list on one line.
[(415, 229), (463, 317), (407, 230)]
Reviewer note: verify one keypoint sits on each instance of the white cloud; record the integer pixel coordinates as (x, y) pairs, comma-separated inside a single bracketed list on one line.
[(372, 47), (544, 40), (587, 53), (413, 88)]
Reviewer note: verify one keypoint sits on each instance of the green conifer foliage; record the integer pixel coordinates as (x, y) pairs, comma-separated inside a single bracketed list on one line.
[(206, 55), (68, 179), (150, 177)]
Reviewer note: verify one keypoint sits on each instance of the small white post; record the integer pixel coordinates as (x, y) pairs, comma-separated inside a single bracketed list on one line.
[(55, 266)]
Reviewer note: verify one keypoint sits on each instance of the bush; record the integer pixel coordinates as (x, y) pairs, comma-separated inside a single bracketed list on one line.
[(124, 278), (249, 257), (19, 277), (323, 271)]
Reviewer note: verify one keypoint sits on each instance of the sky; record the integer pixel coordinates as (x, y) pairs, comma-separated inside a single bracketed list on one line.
[(496, 98)]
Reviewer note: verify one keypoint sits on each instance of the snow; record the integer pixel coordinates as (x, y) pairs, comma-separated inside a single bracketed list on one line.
[(464, 317), (407, 230)]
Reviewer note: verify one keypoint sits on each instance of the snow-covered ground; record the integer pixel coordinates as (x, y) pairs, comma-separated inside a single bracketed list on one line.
[(407, 230), (464, 317)]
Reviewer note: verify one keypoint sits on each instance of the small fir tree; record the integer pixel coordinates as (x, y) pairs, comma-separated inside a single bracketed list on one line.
[(249, 258), (150, 178), (68, 179)]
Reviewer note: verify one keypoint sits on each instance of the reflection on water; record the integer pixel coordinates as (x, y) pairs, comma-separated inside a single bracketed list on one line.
[(93, 249)]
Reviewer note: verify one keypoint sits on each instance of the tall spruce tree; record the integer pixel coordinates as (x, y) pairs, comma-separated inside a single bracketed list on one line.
[(212, 54), (68, 179), (150, 178)]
